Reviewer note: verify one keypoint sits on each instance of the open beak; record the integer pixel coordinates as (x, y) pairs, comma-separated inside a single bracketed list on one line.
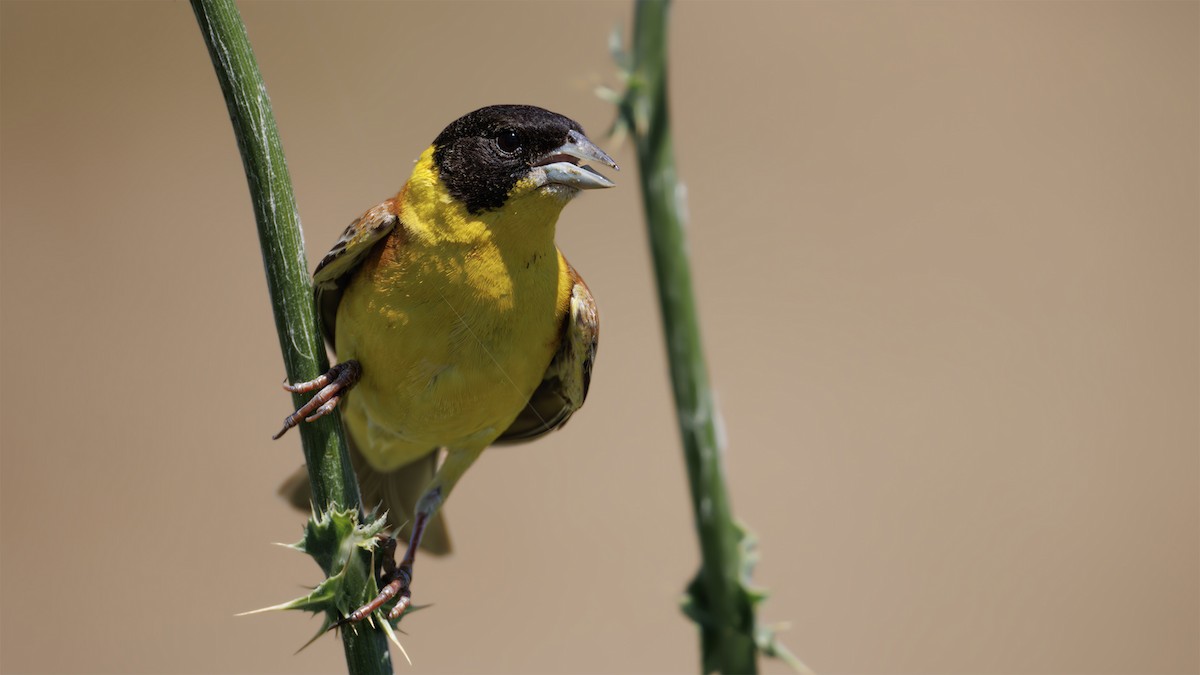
[(561, 165)]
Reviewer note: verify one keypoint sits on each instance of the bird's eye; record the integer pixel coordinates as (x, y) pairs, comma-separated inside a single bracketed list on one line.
[(508, 141)]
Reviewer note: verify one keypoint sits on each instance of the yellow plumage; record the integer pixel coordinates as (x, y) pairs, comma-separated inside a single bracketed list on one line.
[(488, 293)]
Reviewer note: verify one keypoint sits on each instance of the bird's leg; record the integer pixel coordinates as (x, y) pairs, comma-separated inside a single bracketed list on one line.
[(391, 579), (333, 384), (397, 578), (394, 579)]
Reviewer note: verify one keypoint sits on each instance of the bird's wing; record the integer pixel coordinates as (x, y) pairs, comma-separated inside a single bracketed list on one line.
[(336, 268), (565, 384)]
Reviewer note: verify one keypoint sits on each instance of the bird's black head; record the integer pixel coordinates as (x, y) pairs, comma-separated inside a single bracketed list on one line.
[(482, 155)]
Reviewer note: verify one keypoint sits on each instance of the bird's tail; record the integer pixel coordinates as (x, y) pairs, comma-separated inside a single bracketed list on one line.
[(395, 491)]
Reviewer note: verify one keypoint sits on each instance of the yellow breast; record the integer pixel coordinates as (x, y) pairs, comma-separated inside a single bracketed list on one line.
[(454, 318)]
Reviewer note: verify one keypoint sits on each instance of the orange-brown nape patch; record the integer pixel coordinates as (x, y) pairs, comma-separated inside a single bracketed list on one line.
[(389, 251)]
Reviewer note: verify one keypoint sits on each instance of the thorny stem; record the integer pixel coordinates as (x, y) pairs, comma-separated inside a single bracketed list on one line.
[(728, 635), (329, 468)]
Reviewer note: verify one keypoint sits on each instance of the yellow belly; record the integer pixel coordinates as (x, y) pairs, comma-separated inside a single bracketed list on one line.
[(453, 339)]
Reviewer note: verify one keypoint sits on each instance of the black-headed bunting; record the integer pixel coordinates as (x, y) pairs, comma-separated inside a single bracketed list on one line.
[(456, 321)]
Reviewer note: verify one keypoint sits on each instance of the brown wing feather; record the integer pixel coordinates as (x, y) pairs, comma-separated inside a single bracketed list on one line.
[(565, 384), (339, 264)]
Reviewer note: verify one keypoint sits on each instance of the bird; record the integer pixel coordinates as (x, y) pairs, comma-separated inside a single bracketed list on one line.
[(456, 321)]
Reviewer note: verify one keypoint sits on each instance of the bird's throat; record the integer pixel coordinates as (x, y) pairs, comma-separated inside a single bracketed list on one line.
[(523, 227)]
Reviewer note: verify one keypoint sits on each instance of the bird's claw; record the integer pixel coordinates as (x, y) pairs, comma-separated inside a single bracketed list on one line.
[(396, 586), (333, 385)]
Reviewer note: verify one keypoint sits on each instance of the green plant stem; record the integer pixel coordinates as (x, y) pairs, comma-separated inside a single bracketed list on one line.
[(329, 468), (645, 112)]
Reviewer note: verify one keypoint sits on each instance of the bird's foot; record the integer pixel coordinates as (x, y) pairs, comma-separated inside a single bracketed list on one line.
[(333, 385), (395, 582)]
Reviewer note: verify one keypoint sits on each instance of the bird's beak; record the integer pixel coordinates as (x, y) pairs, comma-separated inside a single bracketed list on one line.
[(561, 165)]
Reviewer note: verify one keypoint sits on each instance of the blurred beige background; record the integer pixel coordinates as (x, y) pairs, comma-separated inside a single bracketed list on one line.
[(946, 257)]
